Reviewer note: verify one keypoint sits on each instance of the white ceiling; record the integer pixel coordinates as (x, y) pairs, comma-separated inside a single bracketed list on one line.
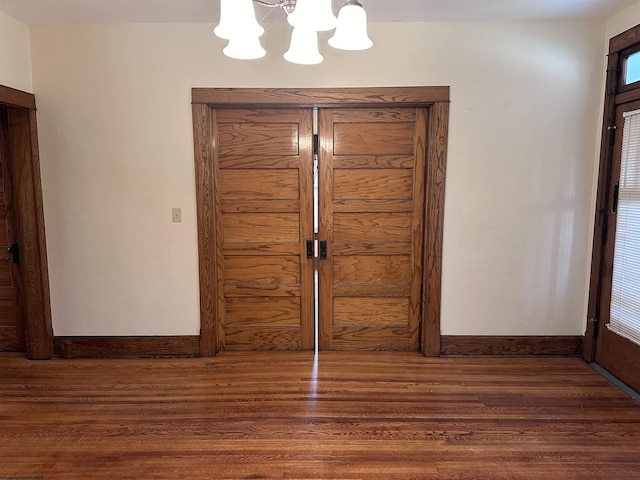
[(206, 11)]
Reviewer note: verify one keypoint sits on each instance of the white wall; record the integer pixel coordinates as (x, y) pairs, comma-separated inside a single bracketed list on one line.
[(15, 56), (117, 154)]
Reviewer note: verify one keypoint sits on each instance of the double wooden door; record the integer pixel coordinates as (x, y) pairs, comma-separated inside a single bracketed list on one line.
[(362, 267)]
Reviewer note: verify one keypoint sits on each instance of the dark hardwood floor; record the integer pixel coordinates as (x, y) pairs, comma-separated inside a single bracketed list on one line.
[(348, 416)]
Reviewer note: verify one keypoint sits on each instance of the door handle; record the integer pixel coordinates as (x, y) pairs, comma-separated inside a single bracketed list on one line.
[(310, 249), (323, 249), (14, 251)]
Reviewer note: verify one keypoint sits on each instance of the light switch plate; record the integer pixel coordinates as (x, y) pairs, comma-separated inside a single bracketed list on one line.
[(176, 214)]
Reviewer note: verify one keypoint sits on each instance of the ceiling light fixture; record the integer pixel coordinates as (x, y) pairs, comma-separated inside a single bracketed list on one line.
[(239, 26)]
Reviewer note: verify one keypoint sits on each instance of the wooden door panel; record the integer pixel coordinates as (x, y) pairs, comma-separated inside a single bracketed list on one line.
[(370, 291), (258, 138), (259, 184), (263, 172), (364, 311), (372, 184), (374, 115), (359, 248), (371, 269), (261, 227), (373, 138), (263, 311), (372, 227), (371, 338), (372, 176), (372, 205), (7, 313), (262, 269), (263, 338), (373, 161)]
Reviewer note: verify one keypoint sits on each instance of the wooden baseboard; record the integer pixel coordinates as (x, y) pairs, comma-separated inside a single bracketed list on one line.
[(132, 347), (570, 346)]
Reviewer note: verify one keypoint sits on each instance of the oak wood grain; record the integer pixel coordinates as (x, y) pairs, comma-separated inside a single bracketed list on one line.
[(259, 184), (263, 311), (372, 216), (9, 339), (336, 416), (263, 170), (133, 347), (320, 97), (392, 138), (263, 227), (438, 120), (373, 108), (504, 345), (206, 215), (249, 138), (378, 184), (10, 97)]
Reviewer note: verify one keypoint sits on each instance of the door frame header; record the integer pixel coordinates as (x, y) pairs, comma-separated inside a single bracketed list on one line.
[(319, 97)]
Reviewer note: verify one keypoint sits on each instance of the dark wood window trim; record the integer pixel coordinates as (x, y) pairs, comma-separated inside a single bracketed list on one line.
[(25, 158), (616, 93), (435, 99)]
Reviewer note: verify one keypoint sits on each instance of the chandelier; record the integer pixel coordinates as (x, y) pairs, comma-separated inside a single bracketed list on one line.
[(239, 26)]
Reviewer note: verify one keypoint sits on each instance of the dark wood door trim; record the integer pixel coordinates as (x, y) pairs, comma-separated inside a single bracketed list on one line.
[(320, 97), (614, 97), (434, 225), (25, 165), (10, 97), (434, 99)]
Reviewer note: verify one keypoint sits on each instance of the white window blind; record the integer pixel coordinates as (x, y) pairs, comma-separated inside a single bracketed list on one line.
[(625, 295)]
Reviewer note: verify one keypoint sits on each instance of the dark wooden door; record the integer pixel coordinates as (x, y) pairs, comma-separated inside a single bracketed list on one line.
[(614, 352), (372, 181), (12, 322), (263, 161)]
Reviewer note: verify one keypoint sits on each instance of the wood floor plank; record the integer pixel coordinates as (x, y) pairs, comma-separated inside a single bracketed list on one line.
[(340, 415)]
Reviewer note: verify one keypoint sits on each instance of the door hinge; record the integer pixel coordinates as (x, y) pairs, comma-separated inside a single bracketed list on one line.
[(612, 134), (316, 144), (14, 251), (596, 325)]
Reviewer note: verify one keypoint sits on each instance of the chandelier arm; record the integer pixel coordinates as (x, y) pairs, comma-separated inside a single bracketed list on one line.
[(287, 5), (270, 5)]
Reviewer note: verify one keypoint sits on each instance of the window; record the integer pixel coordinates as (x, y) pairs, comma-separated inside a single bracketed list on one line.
[(632, 68), (625, 291)]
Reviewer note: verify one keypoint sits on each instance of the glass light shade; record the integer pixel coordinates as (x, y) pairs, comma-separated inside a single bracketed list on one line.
[(237, 18), (244, 48), (313, 14), (351, 33), (304, 47)]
